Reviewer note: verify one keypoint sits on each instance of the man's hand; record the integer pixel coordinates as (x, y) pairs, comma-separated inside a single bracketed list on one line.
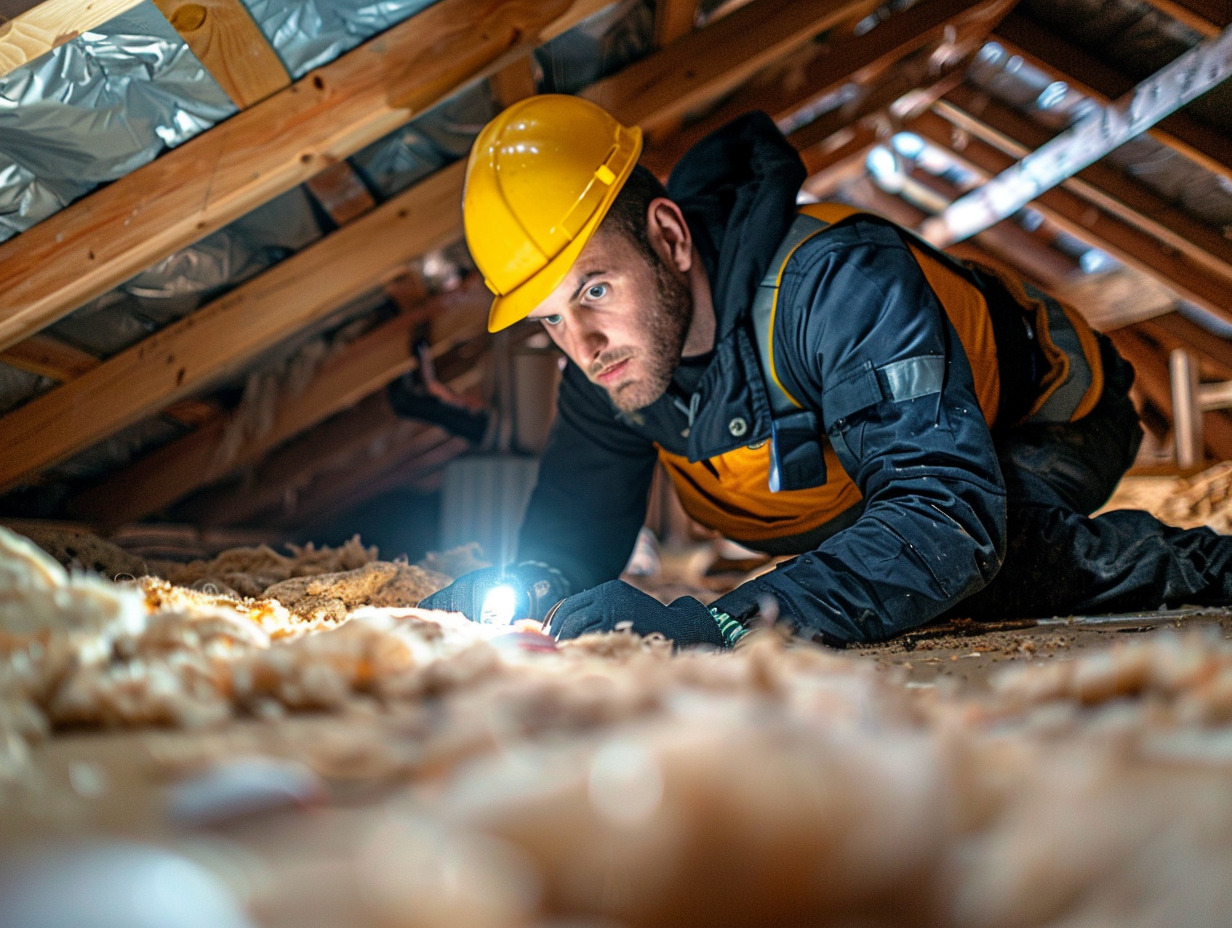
[(500, 595), (600, 609)]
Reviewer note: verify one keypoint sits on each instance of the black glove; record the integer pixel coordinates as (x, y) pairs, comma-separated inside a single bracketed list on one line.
[(535, 587), (600, 609)]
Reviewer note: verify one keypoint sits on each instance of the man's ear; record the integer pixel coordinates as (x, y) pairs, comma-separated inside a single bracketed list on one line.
[(669, 233)]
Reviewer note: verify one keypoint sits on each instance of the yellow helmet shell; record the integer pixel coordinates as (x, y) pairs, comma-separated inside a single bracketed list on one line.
[(540, 179)]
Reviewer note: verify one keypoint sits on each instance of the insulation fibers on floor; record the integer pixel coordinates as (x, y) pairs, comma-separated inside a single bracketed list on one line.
[(319, 755)]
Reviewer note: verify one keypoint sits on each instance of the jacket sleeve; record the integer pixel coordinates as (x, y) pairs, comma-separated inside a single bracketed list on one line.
[(590, 497), (867, 343)]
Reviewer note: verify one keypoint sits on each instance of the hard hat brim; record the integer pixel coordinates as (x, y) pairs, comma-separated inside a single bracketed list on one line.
[(520, 302)]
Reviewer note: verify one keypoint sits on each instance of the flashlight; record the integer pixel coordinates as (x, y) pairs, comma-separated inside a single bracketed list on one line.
[(499, 605)]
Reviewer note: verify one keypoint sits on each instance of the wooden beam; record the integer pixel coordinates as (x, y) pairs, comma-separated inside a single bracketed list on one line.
[(1054, 55), (1154, 381), (51, 24), (220, 336), (334, 446), (49, 357), (673, 20), (195, 351), (364, 431), (976, 113), (705, 64), (341, 193), (910, 86), (1028, 253), (962, 24), (1091, 224), (366, 365), (1205, 17), (1174, 330), (228, 42), (404, 465), (122, 228), (516, 81)]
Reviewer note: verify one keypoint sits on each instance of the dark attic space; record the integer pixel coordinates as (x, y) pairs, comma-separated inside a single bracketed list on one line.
[(645, 463)]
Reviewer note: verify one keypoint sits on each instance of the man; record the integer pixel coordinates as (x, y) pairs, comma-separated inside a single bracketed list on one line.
[(927, 437)]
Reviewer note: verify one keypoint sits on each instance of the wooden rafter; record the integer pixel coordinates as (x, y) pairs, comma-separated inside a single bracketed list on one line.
[(368, 431), (101, 241), (515, 81), (401, 465), (188, 355), (1014, 134), (224, 37), (1205, 18), (910, 86), (194, 352), (1173, 331), (49, 25), (673, 19), (961, 24), (1064, 60), (364, 366), (663, 87), (1153, 380), (56, 360), (1094, 225)]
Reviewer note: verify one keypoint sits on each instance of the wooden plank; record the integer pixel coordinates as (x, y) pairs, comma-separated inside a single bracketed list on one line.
[(707, 63), (1054, 55), (1203, 18), (341, 193), (1000, 126), (674, 19), (401, 467), (1185, 332), (962, 24), (224, 37), (1088, 222), (515, 81), (122, 228), (182, 467), (189, 354), (220, 336), (51, 24), (1088, 138), (49, 357), (369, 436), (1153, 379)]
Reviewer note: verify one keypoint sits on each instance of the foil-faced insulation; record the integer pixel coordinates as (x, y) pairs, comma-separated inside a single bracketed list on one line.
[(600, 45), (309, 33), (95, 109), (183, 281)]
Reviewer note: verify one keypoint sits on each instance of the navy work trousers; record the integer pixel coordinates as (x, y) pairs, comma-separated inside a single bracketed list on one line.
[(1058, 560)]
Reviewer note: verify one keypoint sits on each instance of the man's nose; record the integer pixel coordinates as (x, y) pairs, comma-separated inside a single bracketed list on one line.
[(590, 341)]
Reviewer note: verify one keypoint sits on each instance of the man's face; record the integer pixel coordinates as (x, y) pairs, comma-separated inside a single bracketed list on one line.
[(621, 318)]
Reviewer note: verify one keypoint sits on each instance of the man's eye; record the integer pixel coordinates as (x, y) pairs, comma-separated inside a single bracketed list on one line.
[(554, 319), (596, 291)]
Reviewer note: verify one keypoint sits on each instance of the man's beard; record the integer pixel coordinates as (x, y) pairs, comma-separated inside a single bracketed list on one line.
[(667, 327)]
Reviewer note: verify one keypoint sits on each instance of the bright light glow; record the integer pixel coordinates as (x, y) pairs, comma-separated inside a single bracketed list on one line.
[(1095, 261), (884, 166), (908, 144), (1053, 95), (499, 605)]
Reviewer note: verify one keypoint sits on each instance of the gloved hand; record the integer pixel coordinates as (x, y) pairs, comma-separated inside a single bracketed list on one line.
[(534, 589), (600, 609)]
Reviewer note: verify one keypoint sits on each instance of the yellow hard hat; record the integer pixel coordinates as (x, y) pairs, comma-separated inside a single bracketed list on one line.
[(540, 179)]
